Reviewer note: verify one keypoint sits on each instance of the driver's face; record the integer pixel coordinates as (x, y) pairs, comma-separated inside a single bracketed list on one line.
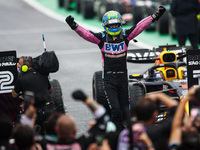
[(114, 26)]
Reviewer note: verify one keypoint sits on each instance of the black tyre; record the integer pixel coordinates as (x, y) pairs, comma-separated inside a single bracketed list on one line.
[(69, 4), (150, 11), (172, 29), (98, 91), (121, 8), (136, 92), (104, 7), (61, 3), (56, 96), (163, 23), (87, 9), (138, 14), (78, 6)]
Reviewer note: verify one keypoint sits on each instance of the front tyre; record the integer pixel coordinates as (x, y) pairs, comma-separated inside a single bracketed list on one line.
[(56, 96), (136, 92), (98, 90)]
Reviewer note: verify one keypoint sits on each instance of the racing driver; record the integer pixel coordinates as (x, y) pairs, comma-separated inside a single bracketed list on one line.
[(113, 43)]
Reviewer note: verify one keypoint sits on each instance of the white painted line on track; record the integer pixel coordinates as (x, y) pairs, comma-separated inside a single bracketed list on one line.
[(58, 17)]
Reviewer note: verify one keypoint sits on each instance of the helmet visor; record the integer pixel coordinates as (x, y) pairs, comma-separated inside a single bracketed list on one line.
[(112, 21)]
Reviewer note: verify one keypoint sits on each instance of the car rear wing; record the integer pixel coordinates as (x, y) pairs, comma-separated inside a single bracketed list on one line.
[(150, 55)]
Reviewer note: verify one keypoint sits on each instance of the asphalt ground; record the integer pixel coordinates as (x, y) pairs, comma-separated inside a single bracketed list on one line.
[(22, 24)]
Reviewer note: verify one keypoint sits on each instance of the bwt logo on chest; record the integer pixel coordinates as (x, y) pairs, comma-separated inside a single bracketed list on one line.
[(114, 47)]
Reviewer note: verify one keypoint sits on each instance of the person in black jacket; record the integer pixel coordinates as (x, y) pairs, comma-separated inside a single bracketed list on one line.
[(186, 22), (33, 81)]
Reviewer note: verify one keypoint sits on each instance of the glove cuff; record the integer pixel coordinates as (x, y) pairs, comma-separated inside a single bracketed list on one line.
[(154, 17), (75, 26)]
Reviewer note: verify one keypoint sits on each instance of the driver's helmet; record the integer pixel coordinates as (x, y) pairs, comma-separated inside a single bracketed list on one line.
[(112, 17)]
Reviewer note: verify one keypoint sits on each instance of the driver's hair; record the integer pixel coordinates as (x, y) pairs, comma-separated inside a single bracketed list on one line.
[(27, 60)]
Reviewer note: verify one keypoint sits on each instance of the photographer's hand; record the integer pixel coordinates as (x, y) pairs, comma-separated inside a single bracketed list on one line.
[(31, 112), (193, 93), (146, 140), (29, 116), (176, 131)]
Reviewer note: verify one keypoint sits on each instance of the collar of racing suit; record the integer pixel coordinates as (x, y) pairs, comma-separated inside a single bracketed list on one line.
[(109, 38)]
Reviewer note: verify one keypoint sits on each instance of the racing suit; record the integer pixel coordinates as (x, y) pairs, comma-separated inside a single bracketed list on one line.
[(114, 55)]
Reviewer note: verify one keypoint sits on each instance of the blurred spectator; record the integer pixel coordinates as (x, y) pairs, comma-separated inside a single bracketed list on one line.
[(50, 133), (50, 123), (186, 22), (108, 142), (26, 123), (24, 138), (29, 114), (66, 127), (140, 139), (5, 132), (146, 110), (184, 133)]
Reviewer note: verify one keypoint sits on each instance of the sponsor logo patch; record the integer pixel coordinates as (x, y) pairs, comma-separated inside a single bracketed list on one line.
[(114, 47)]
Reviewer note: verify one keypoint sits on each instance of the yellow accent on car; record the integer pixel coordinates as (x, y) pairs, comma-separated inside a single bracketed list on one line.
[(135, 75)]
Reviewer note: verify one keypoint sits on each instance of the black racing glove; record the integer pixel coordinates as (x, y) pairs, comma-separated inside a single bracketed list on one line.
[(158, 13), (79, 95), (70, 21)]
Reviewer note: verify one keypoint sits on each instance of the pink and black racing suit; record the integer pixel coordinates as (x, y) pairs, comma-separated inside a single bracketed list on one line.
[(114, 55)]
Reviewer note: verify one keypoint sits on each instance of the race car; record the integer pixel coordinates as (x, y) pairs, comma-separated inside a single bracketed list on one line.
[(168, 74)]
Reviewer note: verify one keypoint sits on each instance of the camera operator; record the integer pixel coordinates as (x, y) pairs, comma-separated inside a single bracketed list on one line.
[(32, 80), (184, 133)]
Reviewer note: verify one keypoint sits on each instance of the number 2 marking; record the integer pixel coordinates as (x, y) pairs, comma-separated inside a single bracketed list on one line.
[(6, 78)]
